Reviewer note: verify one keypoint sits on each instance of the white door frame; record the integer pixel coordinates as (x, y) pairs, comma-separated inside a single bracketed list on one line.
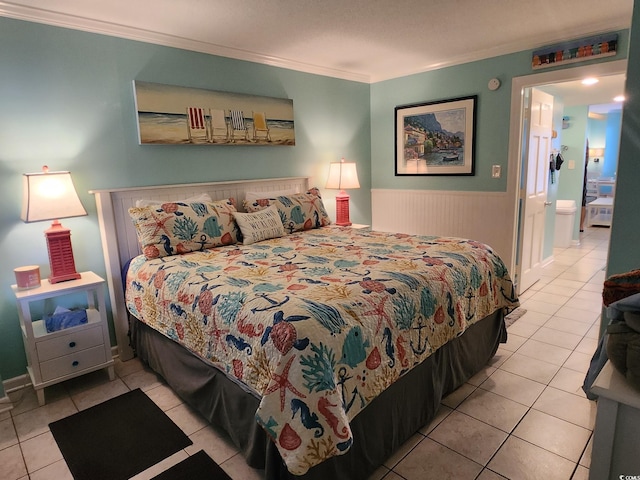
[(518, 84)]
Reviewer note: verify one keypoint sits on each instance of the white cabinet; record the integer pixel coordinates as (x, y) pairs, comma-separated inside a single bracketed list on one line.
[(53, 357), (615, 437)]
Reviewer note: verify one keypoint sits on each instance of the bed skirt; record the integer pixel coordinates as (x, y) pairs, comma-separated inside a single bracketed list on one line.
[(378, 430)]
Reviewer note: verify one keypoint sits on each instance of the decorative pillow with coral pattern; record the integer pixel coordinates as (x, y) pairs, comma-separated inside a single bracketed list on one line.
[(300, 211), (178, 227)]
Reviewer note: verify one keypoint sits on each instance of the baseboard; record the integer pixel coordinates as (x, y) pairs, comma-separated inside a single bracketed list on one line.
[(547, 261), (16, 383)]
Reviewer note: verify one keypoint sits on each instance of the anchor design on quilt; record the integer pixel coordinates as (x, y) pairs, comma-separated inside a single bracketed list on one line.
[(421, 347), (469, 296), (475, 280), (272, 303), (355, 394), (205, 279)]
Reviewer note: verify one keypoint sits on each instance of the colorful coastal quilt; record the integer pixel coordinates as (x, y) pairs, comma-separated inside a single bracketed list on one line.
[(318, 323)]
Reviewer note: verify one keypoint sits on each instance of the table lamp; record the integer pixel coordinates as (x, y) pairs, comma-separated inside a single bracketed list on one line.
[(52, 196), (342, 175)]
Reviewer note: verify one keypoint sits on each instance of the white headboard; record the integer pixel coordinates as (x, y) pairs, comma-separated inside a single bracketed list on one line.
[(118, 235)]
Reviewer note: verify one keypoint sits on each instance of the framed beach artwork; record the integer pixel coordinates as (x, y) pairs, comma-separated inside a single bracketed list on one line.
[(173, 115), (436, 138)]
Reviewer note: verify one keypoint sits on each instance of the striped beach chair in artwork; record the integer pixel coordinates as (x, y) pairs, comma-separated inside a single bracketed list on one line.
[(238, 127), (218, 127), (196, 125), (260, 127)]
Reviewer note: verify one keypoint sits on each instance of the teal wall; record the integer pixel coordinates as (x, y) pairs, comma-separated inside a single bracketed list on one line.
[(67, 101), (571, 180), (552, 187), (493, 118), (492, 132), (624, 254), (612, 144), (597, 135)]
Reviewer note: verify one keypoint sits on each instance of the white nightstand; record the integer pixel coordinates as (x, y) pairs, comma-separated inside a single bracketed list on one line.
[(64, 354)]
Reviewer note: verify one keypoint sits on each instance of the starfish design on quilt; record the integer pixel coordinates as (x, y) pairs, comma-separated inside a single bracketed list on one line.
[(378, 310), (281, 382), (158, 223), (217, 334)]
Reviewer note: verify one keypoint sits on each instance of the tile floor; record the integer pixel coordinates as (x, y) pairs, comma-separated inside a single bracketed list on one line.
[(523, 417)]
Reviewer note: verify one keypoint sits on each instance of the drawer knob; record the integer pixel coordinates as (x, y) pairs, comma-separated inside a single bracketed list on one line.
[(72, 344), (75, 363)]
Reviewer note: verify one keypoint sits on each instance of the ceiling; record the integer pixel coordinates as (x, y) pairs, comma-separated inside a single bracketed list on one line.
[(599, 96), (361, 40)]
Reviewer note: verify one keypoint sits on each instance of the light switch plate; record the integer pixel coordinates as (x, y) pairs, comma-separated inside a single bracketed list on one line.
[(496, 171), (572, 164)]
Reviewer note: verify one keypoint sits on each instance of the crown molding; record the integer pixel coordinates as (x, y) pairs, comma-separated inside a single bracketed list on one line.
[(49, 17), (510, 48)]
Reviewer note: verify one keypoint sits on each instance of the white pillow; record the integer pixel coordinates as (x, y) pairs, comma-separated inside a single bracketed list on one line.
[(258, 226), (253, 196), (200, 198)]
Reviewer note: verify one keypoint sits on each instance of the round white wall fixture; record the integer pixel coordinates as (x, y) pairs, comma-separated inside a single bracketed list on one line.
[(494, 84)]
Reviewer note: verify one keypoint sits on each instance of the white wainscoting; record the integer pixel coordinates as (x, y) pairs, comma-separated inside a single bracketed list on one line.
[(481, 216)]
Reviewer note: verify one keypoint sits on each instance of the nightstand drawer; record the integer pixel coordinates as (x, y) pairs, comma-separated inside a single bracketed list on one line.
[(67, 344), (75, 362)]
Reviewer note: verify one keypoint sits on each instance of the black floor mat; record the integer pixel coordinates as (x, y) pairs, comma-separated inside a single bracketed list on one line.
[(197, 467), (117, 439)]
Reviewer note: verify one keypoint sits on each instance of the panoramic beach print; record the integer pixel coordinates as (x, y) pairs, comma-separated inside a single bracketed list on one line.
[(436, 138), (173, 115)]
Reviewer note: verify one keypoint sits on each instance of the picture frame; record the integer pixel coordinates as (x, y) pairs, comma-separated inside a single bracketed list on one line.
[(436, 138), (175, 115)]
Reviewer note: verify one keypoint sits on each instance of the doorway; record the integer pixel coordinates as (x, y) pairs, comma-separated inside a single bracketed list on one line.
[(516, 143)]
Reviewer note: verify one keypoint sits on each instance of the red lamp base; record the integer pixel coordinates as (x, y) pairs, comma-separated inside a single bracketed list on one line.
[(63, 266), (342, 209)]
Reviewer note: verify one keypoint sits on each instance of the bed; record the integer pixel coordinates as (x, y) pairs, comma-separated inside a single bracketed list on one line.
[(319, 350)]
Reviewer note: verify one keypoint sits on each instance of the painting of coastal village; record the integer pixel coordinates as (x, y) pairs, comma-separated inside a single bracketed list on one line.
[(173, 115), (436, 138)]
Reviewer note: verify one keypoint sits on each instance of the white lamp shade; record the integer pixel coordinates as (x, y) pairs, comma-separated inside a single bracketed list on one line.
[(343, 175), (49, 196)]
